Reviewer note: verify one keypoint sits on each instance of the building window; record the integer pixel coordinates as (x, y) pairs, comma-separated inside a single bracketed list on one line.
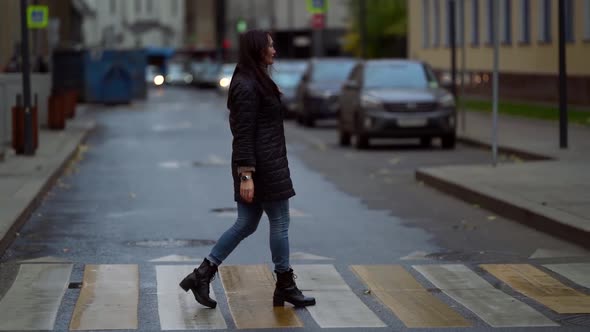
[(475, 22), (525, 21), (490, 22), (425, 23), (587, 20), (174, 7), (460, 21), (113, 6), (506, 10), (149, 6), (448, 25), (545, 21), (138, 6), (436, 41), (569, 21)]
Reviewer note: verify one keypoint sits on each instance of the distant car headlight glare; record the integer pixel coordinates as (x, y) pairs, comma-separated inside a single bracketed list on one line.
[(224, 82), (188, 78), (447, 101), (159, 80)]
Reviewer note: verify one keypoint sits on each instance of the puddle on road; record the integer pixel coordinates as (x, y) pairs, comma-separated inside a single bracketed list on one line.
[(172, 243)]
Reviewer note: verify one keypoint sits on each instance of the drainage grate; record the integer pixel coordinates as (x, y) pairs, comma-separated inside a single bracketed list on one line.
[(172, 243), (224, 210), (75, 285)]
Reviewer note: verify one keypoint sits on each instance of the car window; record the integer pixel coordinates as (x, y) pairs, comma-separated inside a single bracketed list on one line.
[(287, 79), (324, 71), (397, 75)]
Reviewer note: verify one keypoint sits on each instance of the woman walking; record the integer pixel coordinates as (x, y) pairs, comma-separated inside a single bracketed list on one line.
[(262, 181)]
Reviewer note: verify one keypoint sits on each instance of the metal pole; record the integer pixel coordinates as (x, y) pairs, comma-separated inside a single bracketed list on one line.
[(496, 25), (363, 27), (220, 27), (563, 126), (463, 66), (291, 29), (26, 70), (453, 42)]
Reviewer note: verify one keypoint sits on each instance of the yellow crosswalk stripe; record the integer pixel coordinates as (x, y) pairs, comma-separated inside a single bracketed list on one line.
[(540, 286), (108, 299), (249, 290), (406, 298)]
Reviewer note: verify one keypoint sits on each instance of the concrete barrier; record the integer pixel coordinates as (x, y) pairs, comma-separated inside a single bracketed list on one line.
[(10, 86)]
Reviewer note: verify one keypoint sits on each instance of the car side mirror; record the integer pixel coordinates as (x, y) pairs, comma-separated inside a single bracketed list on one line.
[(352, 85)]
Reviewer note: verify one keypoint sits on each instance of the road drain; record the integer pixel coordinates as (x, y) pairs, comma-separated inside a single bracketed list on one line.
[(75, 285), (224, 210), (172, 243)]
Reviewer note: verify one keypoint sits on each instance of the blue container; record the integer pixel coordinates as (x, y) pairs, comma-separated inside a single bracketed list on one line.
[(137, 65), (108, 76)]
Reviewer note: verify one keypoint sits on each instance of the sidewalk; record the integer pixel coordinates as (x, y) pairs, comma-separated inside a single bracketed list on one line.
[(552, 195), (24, 180)]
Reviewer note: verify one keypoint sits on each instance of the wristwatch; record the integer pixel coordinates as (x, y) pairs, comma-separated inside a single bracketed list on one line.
[(245, 177)]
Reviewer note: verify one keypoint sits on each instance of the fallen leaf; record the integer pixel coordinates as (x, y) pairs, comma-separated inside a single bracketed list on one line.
[(491, 217), (367, 292), (66, 249)]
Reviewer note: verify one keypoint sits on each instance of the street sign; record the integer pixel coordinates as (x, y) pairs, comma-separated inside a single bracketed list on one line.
[(318, 21), (37, 17), (317, 6)]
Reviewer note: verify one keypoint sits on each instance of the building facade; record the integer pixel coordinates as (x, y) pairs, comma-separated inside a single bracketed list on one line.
[(133, 23), (528, 39), (290, 22)]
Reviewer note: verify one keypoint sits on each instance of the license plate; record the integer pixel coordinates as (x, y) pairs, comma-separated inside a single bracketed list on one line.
[(411, 122)]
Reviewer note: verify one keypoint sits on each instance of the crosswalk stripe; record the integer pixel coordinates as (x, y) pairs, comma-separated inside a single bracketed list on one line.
[(179, 310), (34, 298), (540, 286), (400, 292), (108, 299), (249, 290), (493, 306), (576, 272), (337, 305)]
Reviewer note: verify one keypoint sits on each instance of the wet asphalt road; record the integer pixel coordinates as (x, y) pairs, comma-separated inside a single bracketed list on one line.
[(155, 181)]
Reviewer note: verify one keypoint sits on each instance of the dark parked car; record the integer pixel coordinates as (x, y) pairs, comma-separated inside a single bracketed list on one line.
[(288, 74), (319, 92), (396, 99)]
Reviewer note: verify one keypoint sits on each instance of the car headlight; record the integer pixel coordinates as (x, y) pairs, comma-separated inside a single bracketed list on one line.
[(368, 102), (447, 101), (159, 80), (188, 78), (224, 82)]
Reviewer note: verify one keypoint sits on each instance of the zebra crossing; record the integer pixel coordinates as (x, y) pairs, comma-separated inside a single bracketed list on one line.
[(109, 296)]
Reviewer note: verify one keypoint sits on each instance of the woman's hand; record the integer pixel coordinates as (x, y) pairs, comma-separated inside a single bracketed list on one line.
[(247, 190)]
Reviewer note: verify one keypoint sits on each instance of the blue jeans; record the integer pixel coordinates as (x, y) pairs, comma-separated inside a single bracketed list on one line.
[(248, 218)]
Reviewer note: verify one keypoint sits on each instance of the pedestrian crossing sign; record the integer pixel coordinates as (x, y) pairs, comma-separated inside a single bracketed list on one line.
[(317, 6), (37, 17)]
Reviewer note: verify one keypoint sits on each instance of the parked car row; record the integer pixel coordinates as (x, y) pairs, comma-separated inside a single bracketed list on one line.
[(388, 98)]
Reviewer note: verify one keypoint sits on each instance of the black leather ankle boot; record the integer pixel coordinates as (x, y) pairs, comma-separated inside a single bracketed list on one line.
[(286, 291), (198, 282)]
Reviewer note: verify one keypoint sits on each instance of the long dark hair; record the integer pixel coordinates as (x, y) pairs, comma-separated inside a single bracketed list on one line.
[(253, 47)]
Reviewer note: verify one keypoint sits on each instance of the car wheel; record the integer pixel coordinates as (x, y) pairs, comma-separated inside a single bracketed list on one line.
[(308, 121), (425, 142), (361, 142), (344, 138), (449, 141)]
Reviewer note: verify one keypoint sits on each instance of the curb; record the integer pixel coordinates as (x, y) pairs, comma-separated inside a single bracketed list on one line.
[(10, 235), (506, 209), (525, 155)]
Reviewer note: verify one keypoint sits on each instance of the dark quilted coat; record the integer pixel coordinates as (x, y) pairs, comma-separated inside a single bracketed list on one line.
[(256, 122)]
